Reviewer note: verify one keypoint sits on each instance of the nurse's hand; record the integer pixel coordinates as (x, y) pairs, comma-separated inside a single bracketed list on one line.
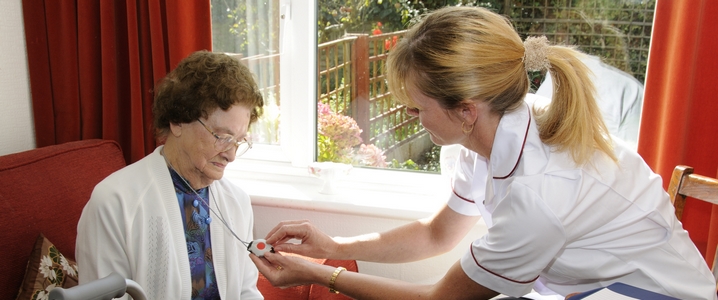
[(313, 242), (285, 270)]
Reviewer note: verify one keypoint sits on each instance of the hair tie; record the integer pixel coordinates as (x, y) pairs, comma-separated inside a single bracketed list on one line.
[(536, 54)]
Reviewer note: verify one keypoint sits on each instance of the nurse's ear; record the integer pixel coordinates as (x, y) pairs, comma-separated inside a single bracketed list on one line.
[(468, 111)]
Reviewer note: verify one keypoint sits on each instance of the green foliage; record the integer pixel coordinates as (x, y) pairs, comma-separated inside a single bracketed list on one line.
[(430, 162), (536, 78), (241, 28), (407, 165), (328, 151), (337, 17)]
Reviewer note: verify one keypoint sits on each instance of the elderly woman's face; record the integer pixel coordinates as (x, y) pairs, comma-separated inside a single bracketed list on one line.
[(205, 162)]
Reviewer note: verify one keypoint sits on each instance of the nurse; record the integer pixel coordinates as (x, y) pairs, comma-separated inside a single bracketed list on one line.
[(568, 208)]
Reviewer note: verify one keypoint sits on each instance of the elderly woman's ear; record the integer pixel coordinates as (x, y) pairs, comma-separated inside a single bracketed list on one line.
[(176, 129)]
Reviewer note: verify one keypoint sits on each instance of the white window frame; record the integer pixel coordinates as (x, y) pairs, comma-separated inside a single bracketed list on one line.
[(278, 175)]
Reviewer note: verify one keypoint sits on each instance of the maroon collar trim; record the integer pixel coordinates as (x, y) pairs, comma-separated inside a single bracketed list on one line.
[(523, 144)]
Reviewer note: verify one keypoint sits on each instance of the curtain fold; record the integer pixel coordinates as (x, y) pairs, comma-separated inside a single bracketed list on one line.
[(681, 103), (93, 64)]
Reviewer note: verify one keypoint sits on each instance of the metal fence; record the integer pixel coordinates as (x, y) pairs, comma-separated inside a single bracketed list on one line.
[(352, 82), (619, 32)]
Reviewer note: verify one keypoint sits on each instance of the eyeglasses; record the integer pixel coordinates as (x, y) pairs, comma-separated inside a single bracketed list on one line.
[(225, 142)]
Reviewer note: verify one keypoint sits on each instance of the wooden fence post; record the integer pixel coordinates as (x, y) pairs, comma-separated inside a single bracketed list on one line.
[(360, 85)]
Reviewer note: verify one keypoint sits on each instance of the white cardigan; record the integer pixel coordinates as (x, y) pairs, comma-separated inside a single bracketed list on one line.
[(132, 226)]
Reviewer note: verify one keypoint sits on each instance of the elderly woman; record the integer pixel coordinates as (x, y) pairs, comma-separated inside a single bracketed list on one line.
[(568, 208), (170, 221)]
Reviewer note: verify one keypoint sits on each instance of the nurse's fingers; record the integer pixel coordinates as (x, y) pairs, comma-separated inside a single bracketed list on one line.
[(300, 230), (284, 223)]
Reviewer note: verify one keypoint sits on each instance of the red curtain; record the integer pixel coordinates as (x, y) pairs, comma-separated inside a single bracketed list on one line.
[(681, 103), (93, 64)]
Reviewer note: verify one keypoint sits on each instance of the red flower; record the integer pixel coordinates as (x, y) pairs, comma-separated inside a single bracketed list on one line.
[(377, 30), (390, 44)]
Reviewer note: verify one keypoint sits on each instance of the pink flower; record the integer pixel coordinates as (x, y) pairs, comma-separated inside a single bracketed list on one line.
[(323, 109), (370, 155), (342, 130), (342, 142)]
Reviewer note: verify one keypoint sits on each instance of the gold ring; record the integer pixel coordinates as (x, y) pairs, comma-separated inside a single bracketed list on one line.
[(279, 268)]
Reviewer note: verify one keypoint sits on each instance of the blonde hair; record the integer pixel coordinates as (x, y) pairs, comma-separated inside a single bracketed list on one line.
[(456, 54)]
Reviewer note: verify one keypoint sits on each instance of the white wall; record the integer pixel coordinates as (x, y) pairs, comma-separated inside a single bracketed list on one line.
[(17, 132)]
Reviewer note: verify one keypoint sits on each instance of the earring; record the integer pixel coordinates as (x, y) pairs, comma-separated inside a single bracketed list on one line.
[(467, 131)]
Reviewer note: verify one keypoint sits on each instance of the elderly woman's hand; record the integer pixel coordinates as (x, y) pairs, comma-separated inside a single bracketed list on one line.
[(313, 242), (286, 270)]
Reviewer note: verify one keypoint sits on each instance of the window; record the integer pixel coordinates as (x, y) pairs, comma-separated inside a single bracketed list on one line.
[(356, 36), (276, 173), (301, 51)]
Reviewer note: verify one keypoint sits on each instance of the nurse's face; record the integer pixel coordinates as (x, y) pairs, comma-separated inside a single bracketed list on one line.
[(442, 127)]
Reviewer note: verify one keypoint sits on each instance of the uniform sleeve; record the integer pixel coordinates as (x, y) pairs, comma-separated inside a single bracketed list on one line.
[(468, 183), (524, 239)]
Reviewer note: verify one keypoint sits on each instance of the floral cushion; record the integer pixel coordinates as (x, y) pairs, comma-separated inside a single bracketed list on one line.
[(46, 269)]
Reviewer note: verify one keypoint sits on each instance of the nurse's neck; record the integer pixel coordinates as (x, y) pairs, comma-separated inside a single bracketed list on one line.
[(481, 138)]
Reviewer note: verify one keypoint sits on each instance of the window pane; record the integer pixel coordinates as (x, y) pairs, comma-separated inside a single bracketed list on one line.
[(249, 31), (360, 123)]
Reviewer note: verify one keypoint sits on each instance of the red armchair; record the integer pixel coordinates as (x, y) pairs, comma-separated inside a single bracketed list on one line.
[(44, 191)]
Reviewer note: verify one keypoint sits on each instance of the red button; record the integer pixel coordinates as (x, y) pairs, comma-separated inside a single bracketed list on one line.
[(260, 246)]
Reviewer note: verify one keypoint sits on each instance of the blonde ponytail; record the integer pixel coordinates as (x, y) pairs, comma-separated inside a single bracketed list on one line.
[(573, 121)]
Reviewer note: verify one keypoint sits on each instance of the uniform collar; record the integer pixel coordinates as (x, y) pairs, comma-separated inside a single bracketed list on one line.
[(509, 141)]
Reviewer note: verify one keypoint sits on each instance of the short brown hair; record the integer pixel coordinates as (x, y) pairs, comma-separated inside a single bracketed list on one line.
[(201, 83)]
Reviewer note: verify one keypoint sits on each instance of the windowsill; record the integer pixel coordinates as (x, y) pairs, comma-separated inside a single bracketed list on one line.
[(364, 192)]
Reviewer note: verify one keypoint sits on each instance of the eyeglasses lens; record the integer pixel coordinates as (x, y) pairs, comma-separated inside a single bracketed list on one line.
[(243, 148), (225, 143)]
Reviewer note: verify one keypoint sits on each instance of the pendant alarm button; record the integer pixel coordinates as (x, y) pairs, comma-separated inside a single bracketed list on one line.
[(259, 247)]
